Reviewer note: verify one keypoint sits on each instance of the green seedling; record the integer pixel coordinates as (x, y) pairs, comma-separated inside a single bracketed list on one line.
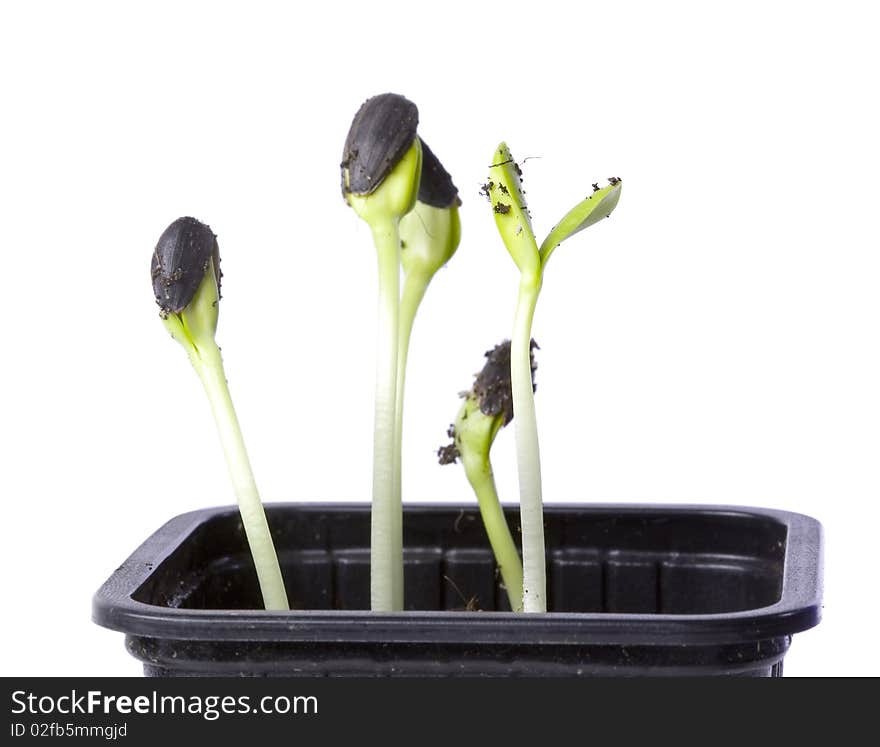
[(397, 185), (186, 282), (381, 169), (512, 218), (486, 409), (430, 234)]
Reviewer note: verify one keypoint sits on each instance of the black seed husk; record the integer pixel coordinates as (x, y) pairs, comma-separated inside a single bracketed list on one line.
[(381, 132), (436, 188), (492, 385), (180, 260), (493, 391)]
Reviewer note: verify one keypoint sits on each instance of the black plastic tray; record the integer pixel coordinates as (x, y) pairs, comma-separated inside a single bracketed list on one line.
[(633, 590)]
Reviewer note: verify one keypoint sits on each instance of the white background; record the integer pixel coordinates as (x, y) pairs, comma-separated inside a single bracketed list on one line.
[(714, 341)]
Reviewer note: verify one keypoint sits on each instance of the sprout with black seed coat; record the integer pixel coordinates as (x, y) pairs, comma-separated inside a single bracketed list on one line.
[(381, 168), (397, 185), (185, 270), (486, 409)]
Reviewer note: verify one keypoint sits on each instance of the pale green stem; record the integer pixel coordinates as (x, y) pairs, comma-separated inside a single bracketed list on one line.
[(209, 366), (482, 480), (414, 286), (527, 451), (386, 532)]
